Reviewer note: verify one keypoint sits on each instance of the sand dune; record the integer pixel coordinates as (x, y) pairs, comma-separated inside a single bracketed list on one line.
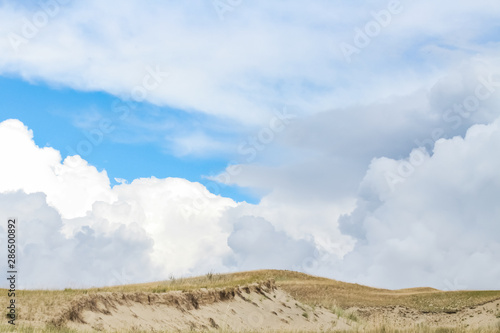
[(259, 306), (258, 301)]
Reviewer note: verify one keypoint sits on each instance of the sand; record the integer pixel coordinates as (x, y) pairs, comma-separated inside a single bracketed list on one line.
[(483, 316), (260, 307), (257, 307)]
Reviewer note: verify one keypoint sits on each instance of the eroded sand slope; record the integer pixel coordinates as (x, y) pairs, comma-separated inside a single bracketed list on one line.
[(259, 306)]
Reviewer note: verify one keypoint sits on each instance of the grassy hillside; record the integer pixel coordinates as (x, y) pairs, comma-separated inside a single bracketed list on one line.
[(314, 290), (309, 289), (38, 306)]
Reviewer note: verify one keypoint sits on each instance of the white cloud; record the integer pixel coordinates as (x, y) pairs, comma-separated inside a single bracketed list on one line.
[(324, 158), (183, 218), (47, 259), (257, 245), (176, 224), (263, 56), (72, 186), (439, 222), (70, 230), (198, 144), (436, 226)]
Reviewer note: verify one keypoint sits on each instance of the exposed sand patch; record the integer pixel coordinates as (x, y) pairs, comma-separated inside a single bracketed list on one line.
[(259, 307), (482, 316)]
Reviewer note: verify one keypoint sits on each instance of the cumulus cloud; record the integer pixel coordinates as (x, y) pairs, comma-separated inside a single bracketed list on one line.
[(71, 219), (324, 157), (257, 245), (72, 185), (47, 259), (429, 222), (430, 219), (157, 227), (276, 225)]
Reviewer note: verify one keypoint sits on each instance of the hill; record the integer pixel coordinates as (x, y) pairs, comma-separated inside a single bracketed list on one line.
[(264, 300)]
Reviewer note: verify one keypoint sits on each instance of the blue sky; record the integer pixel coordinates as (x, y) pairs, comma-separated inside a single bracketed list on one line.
[(53, 113), (195, 140)]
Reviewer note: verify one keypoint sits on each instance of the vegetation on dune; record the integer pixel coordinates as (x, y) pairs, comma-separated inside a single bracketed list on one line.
[(314, 290), (38, 306), (333, 293)]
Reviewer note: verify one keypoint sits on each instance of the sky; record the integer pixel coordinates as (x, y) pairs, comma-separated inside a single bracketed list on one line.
[(352, 140)]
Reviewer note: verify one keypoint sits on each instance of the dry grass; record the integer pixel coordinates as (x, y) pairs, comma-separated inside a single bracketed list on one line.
[(40, 306), (331, 293), (326, 292)]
